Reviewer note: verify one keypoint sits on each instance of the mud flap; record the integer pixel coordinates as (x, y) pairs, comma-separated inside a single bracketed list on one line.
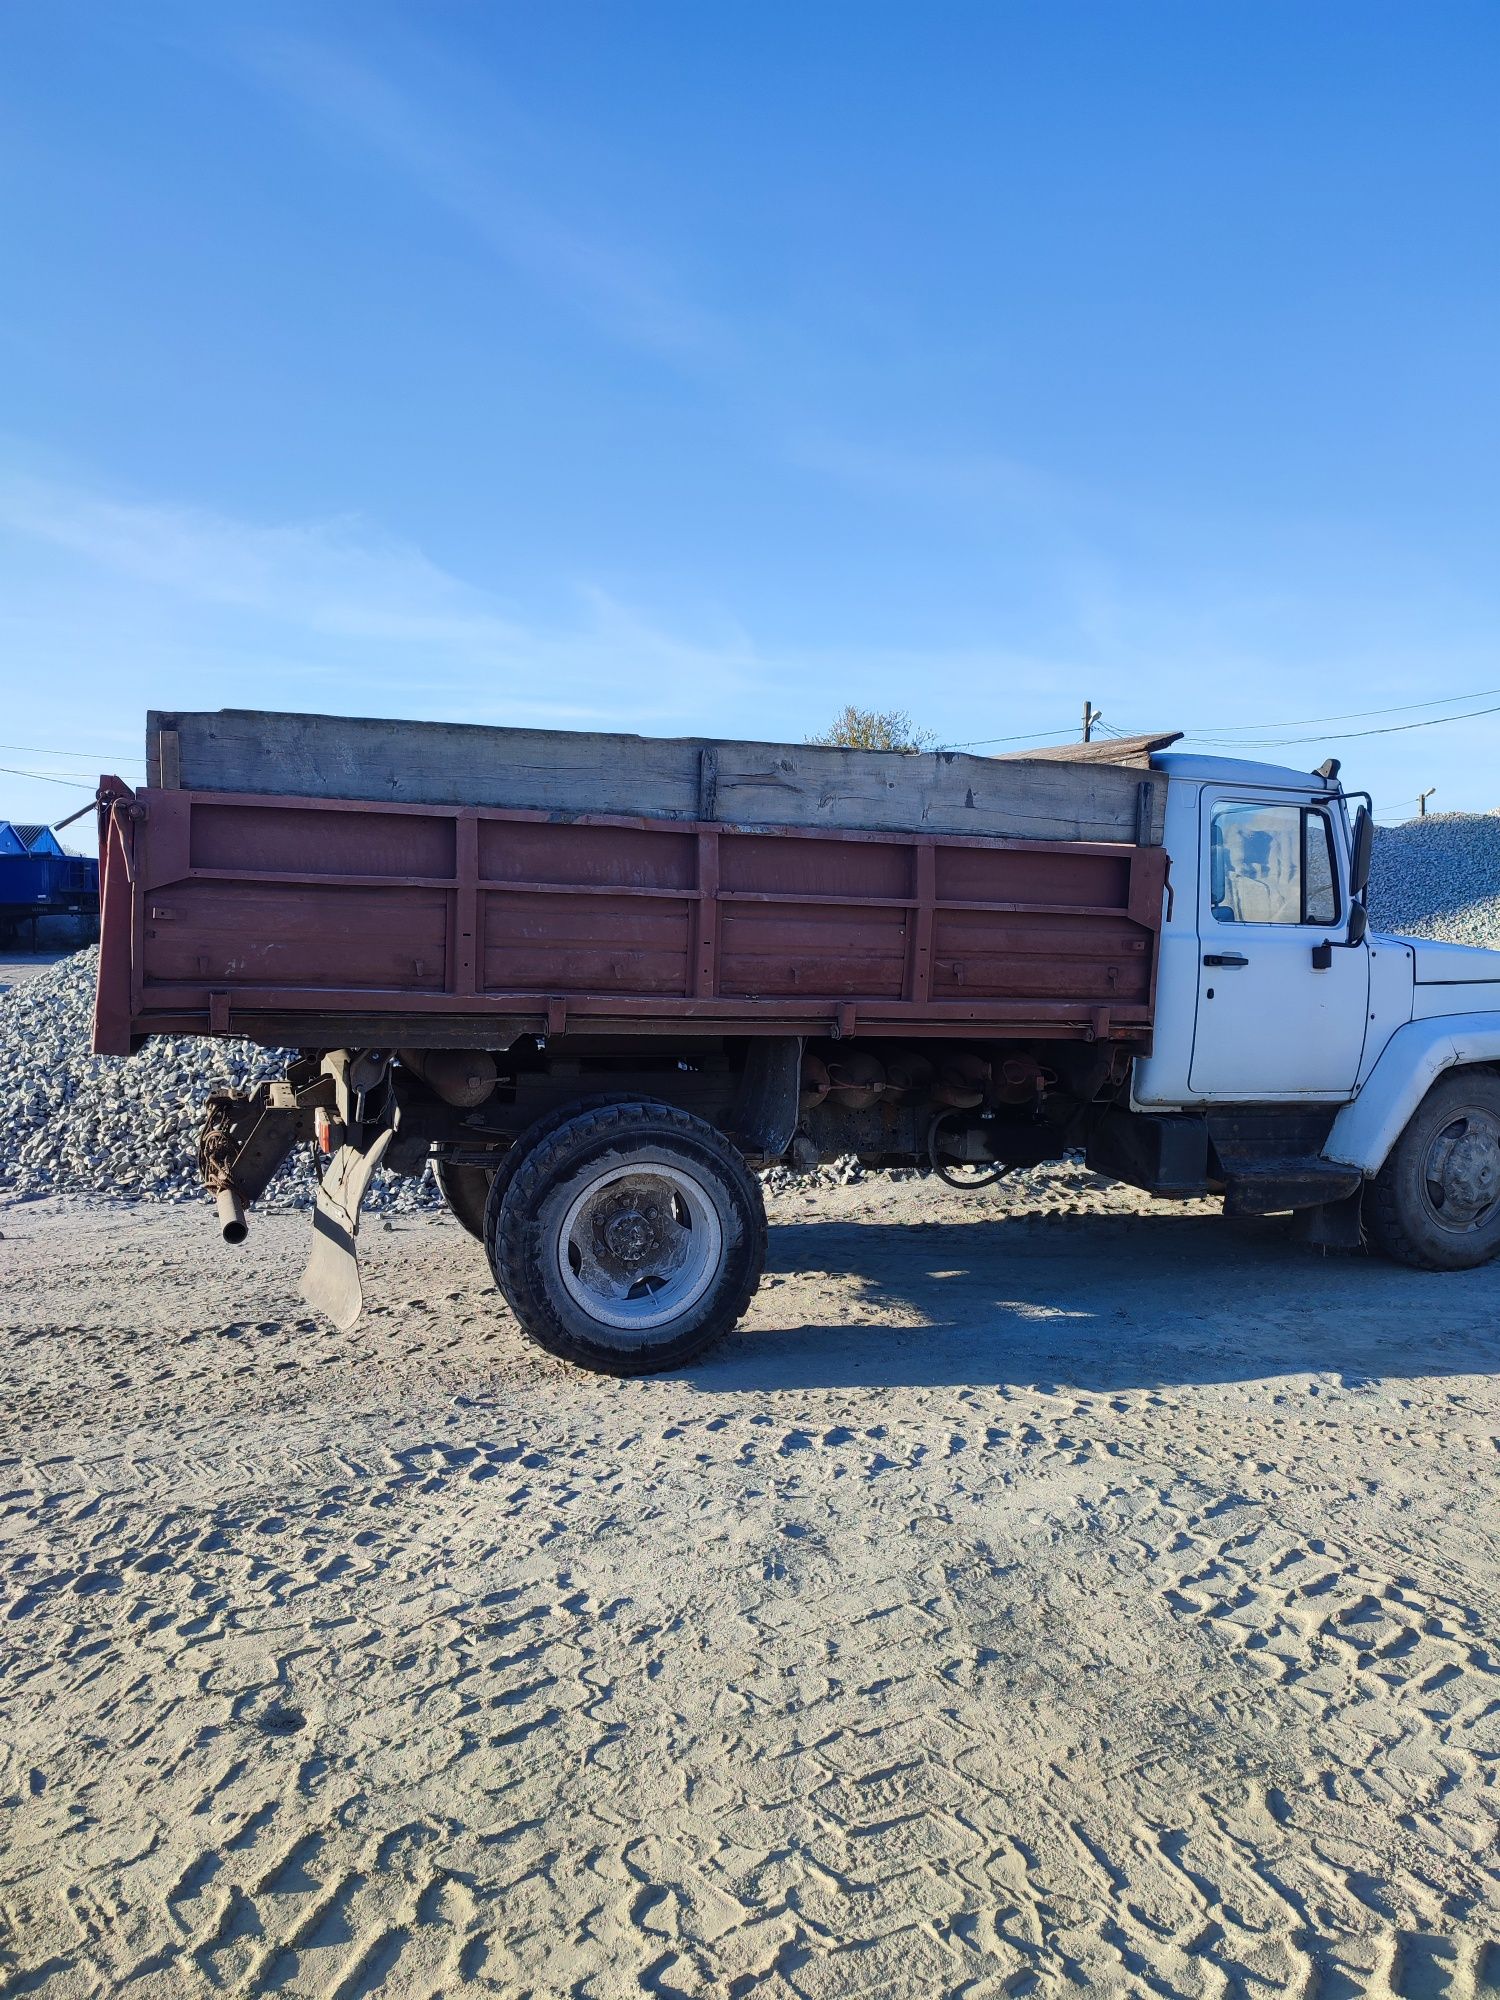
[(330, 1283)]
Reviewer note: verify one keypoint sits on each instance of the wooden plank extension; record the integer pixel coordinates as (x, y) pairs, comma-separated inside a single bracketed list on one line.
[(566, 773)]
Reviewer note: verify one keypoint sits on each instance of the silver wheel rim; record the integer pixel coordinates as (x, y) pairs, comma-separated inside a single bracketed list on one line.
[(639, 1246), (1461, 1173)]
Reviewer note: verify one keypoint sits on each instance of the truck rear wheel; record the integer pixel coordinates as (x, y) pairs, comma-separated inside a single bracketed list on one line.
[(1435, 1203), (629, 1238)]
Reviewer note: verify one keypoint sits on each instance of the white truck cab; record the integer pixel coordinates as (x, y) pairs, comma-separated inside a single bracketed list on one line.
[(1248, 1007), (1322, 1066)]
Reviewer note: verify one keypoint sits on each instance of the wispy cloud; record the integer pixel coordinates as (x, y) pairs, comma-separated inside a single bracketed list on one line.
[(334, 576), (476, 159), (340, 598), (613, 282), (174, 603)]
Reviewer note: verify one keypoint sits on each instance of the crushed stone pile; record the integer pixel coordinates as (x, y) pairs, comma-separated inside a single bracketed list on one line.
[(72, 1122), (1439, 877)]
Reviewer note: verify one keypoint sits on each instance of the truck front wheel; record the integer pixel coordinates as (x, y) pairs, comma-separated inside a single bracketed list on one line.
[(629, 1238), (1435, 1203)]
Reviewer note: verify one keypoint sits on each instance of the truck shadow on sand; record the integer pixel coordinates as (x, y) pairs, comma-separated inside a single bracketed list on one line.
[(1098, 1303)]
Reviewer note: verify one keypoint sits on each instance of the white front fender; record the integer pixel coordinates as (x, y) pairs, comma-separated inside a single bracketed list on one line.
[(1365, 1131)]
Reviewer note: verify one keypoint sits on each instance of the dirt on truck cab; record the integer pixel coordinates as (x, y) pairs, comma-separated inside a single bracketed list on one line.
[(595, 980)]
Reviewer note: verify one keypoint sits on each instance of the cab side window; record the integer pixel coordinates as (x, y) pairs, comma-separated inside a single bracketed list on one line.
[(1271, 864), (1320, 892)]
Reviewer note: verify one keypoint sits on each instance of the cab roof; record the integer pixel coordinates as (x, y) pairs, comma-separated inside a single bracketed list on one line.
[(1236, 771)]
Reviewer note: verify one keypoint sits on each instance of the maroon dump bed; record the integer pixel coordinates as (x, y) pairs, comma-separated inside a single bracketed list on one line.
[(335, 923)]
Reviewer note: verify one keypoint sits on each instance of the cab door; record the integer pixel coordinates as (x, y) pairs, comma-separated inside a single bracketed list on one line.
[(1270, 1023)]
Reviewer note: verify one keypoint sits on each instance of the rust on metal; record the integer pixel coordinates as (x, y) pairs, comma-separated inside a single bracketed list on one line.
[(114, 991), (432, 920)]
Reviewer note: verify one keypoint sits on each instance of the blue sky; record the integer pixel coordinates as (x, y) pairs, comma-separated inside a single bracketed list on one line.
[(697, 368)]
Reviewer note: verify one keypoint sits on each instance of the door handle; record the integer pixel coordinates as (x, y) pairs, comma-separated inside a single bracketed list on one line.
[(1225, 958)]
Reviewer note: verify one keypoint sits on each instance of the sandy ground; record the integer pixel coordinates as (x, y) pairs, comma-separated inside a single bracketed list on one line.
[(1102, 1604), (57, 938)]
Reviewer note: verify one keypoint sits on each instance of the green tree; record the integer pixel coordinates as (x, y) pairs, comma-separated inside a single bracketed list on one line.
[(874, 729)]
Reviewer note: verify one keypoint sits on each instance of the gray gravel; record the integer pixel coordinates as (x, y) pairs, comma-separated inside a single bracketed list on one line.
[(1439, 877), (72, 1122), (75, 1123)]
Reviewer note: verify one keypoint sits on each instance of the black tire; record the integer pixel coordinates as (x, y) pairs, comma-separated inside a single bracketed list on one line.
[(466, 1190), (1435, 1204), (672, 1259)]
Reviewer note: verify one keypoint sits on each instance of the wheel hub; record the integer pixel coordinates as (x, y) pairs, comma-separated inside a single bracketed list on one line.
[(629, 1235), (639, 1245), (1463, 1171), (1471, 1171)]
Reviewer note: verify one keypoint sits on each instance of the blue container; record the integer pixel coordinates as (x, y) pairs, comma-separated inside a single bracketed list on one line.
[(38, 880)]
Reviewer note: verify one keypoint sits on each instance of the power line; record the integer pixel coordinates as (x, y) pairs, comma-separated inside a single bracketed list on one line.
[(1350, 715), (1026, 736), (1344, 735), (84, 756), (47, 778), (1225, 734)]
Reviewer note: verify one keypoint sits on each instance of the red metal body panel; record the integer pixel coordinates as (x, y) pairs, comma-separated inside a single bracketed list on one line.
[(256, 915)]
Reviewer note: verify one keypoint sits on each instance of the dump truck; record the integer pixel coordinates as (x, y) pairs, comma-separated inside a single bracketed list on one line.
[(593, 982)]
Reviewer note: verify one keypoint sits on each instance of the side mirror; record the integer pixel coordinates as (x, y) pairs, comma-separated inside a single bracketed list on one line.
[(1359, 924), (1361, 849)]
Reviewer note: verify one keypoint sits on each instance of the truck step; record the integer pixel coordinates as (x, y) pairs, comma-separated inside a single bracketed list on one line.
[(1266, 1186)]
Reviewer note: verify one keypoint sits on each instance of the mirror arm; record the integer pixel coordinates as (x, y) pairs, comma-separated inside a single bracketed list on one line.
[(1354, 937)]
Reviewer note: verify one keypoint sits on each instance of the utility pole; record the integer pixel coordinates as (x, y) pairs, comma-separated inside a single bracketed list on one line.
[(1091, 715), (1422, 798)]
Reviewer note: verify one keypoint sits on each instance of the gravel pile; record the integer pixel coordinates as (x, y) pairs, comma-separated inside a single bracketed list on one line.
[(1439, 877), (76, 1123)]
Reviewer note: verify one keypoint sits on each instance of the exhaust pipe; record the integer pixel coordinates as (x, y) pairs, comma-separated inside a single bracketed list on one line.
[(232, 1216)]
